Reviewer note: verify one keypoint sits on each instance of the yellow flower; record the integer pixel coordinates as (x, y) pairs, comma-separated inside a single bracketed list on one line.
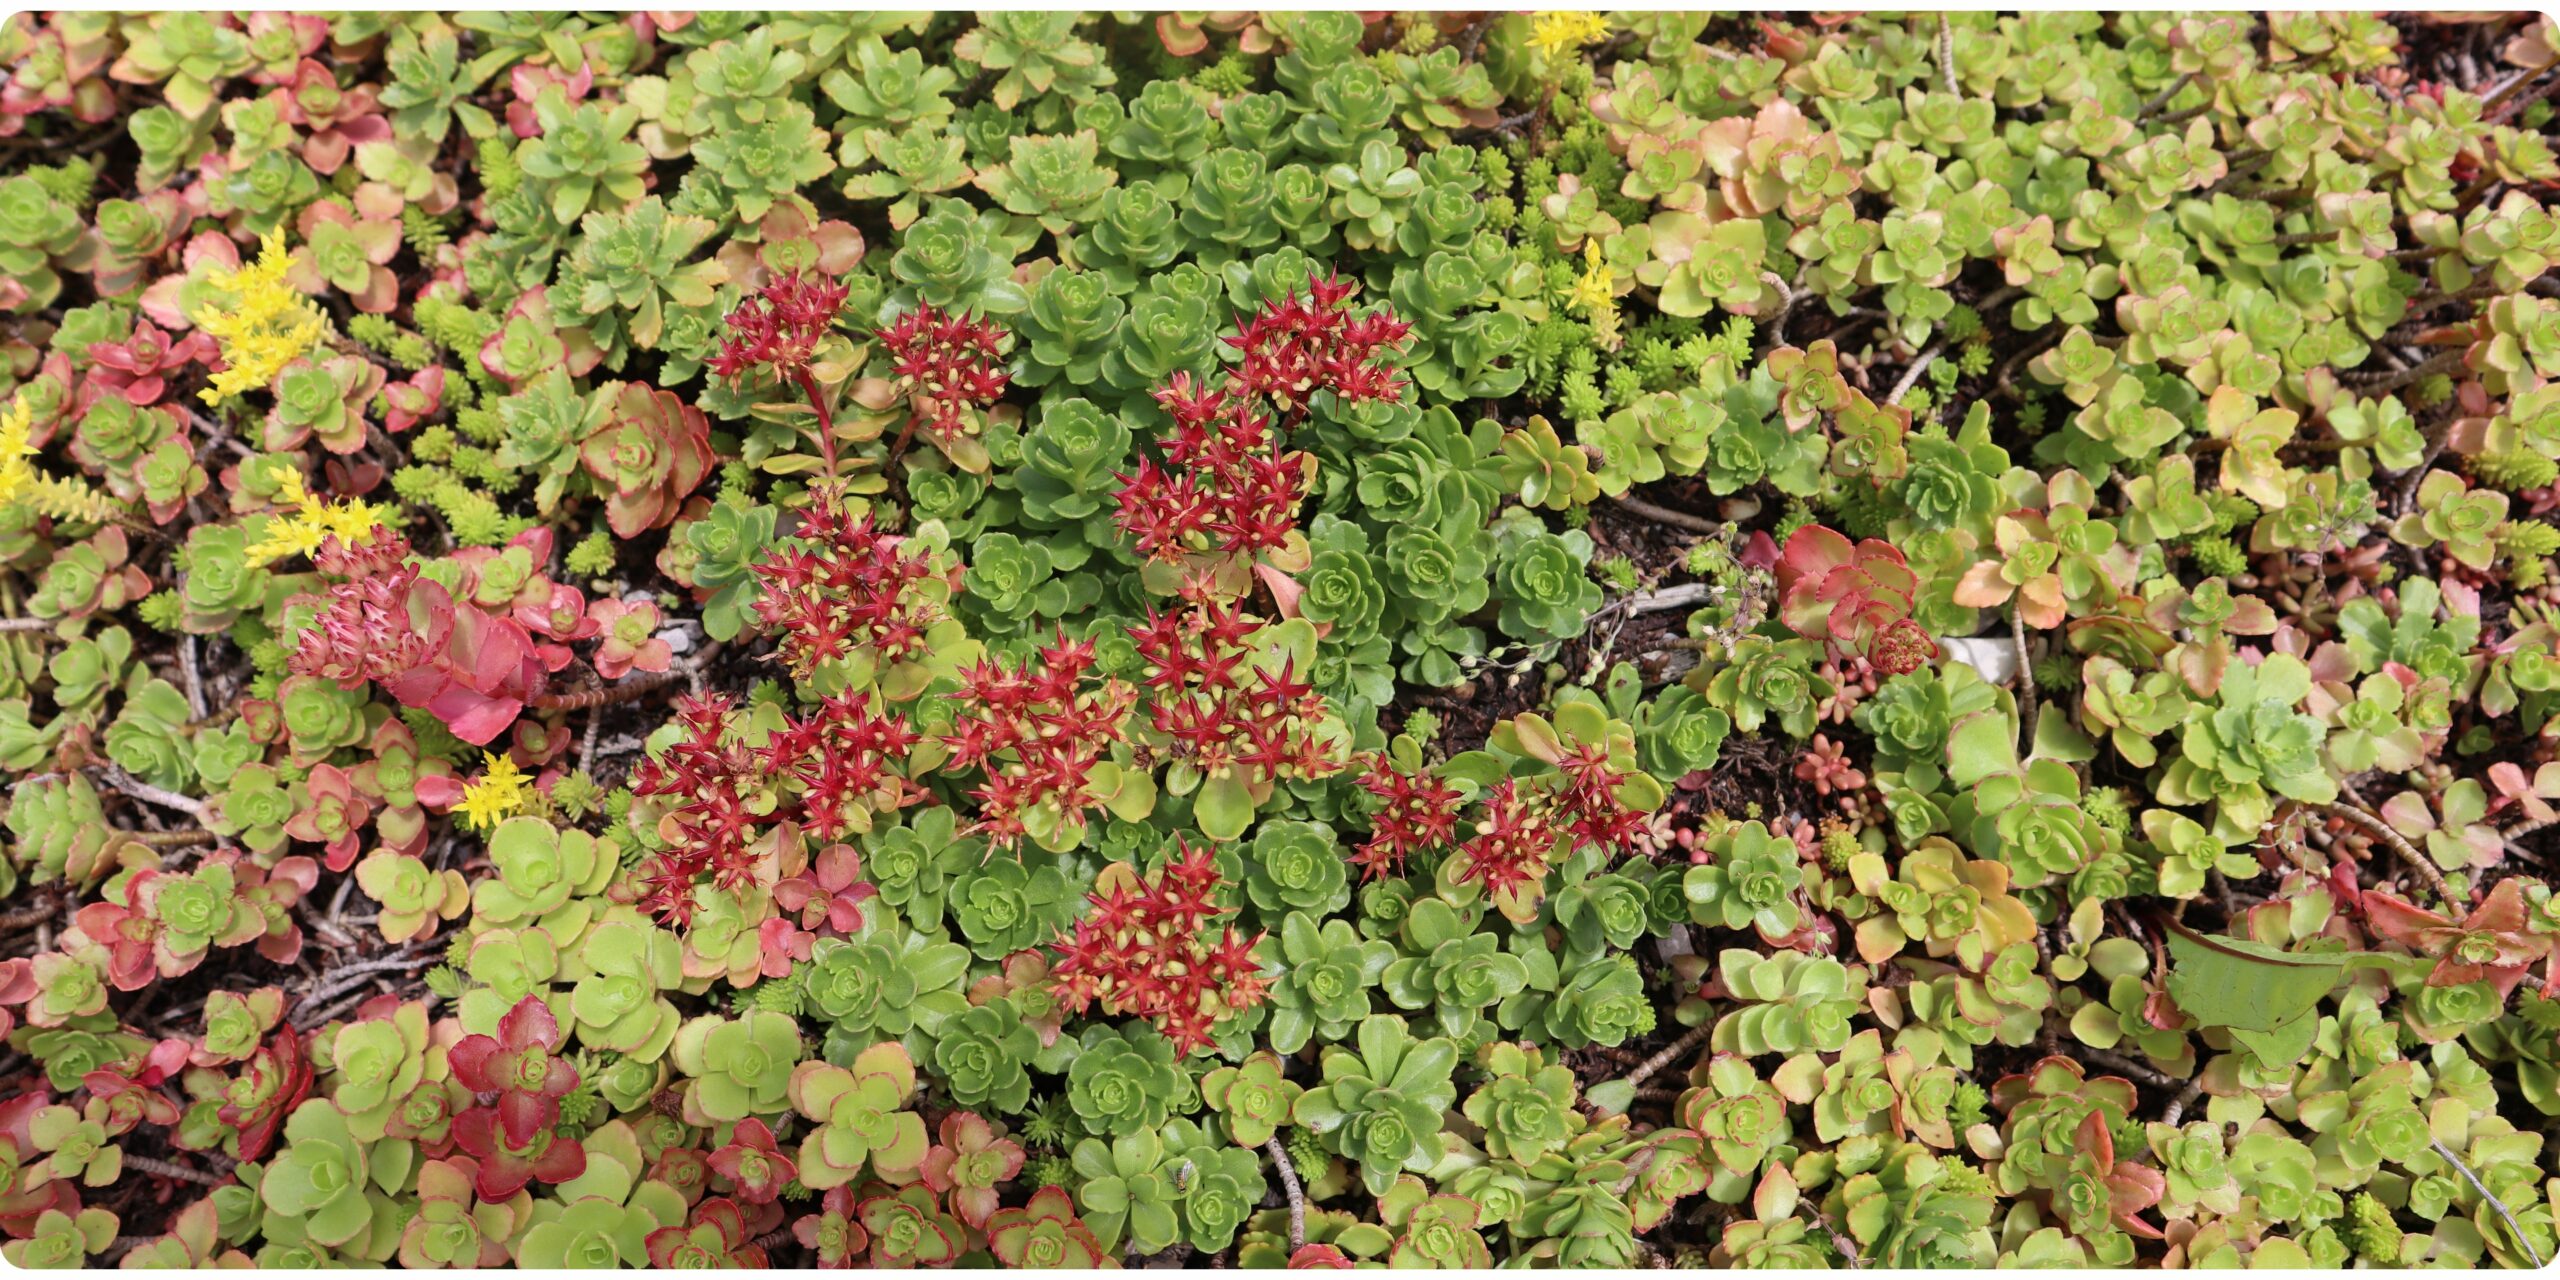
[(269, 326), (1556, 31), (1597, 289), (55, 496), (499, 794), (312, 521)]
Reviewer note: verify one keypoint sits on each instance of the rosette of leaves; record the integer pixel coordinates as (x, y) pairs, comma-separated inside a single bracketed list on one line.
[(2249, 741), (1130, 1188), (322, 400), (582, 157), (38, 232), (877, 87), (741, 1066), (883, 983), (717, 556), (1173, 324), (1525, 1105), (646, 456), (1799, 1002), (1381, 1105), (1750, 884), (538, 869), (621, 971), (1124, 1081), (1068, 325), (960, 260), (544, 423), (1761, 679), (1917, 1209), (860, 1114), (1042, 60), (917, 161), (980, 1054), (1936, 896), (1321, 980), (1293, 866), (1543, 582), (1003, 906), (912, 863), (1252, 1098), (1451, 967), (319, 1179), (1070, 455), (1055, 181), (629, 269), (1599, 1001)]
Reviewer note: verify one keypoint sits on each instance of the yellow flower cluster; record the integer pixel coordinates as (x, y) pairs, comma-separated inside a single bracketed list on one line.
[(20, 482), (312, 521), (1595, 294), (500, 793), (1556, 31), (269, 325)]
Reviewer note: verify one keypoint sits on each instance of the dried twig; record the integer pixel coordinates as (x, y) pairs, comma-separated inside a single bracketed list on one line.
[(29, 624), (1911, 376), (164, 1169), (2186, 1098), (2114, 1061), (1673, 1050), (2399, 844), (147, 793), (1297, 1198), (2514, 1228), (1677, 519)]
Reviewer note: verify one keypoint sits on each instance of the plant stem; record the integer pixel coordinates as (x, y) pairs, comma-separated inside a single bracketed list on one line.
[(1289, 1184), (826, 421), (28, 624), (605, 695), (164, 1169), (144, 791), (2513, 1227), (2161, 99), (1676, 519), (2417, 861), (1645, 1069)]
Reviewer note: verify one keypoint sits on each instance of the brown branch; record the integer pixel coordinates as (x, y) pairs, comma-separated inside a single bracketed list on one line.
[(2419, 862), (1645, 1069), (166, 799), (626, 690), (164, 1169), (1289, 1184), (1677, 519), (2513, 1227)]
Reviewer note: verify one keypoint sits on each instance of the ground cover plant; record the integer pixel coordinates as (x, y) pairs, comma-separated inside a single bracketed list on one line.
[(1229, 639)]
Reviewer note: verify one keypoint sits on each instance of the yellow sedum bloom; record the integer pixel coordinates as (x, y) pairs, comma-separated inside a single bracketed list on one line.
[(269, 326), (1595, 295), (1558, 31), (500, 793), (20, 482), (311, 522)]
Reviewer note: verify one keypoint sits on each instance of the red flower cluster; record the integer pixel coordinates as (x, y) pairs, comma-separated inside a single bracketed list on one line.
[(1145, 949), (1220, 710), (1512, 844), (1225, 485), (1856, 599), (831, 763), (844, 586), (1421, 813), (1037, 734), (1294, 349), (949, 364), (779, 326)]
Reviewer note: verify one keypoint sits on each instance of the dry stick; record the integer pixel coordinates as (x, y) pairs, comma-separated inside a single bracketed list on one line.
[(144, 791), (1911, 376), (606, 695), (2114, 1061), (2379, 381), (194, 679), (2513, 1228), (2178, 1105), (2152, 108), (164, 1169), (1670, 1051), (1676, 519), (28, 624), (1947, 55), (1289, 1184), (349, 977), (168, 839), (1848, 1248), (2026, 675), (2425, 867), (1674, 597)]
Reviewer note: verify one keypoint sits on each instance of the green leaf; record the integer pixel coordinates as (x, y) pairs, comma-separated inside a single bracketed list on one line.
[(2246, 986)]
